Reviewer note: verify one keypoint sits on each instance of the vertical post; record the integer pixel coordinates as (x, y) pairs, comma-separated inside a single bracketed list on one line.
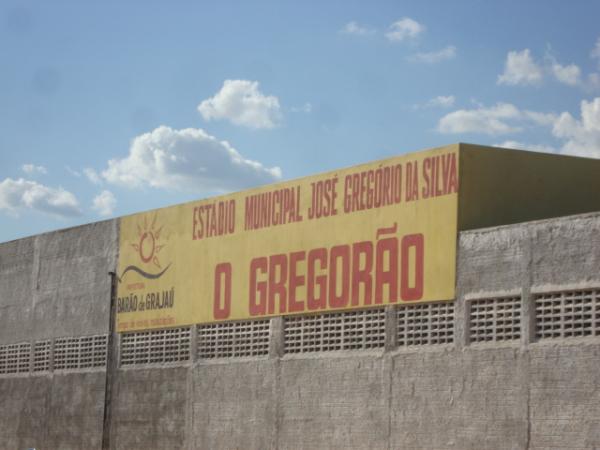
[(276, 337), (51, 356), (31, 355), (193, 343), (528, 323), (111, 364), (391, 328), (466, 338)]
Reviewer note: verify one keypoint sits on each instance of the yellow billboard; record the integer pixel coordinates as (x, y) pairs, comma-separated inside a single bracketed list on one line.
[(375, 234)]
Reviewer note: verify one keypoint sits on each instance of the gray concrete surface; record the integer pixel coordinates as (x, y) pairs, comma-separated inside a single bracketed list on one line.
[(54, 285), (150, 409), (57, 284), (517, 395), (61, 411)]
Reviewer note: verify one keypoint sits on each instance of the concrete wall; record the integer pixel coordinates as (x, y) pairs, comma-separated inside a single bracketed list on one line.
[(55, 285), (522, 394), (559, 393), (149, 409), (52, 412)]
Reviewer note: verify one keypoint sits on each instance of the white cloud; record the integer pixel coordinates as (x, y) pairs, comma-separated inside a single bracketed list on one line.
[(187, 160), (240, 102), (575, 136), (356, 29), (306, 108), (502, 118), (531, 147), (581, 136), (404, 29), (445, 101), (569, 75), (32, 169), (104, 203), (73, 172), (435, 57), (595, 53), (21, 194), (520, 69), (441, 101), (538, 117), (593, 82), (92, 175), (481, 120)]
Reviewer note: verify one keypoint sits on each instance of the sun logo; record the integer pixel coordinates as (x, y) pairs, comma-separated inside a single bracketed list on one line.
[(149, 242)]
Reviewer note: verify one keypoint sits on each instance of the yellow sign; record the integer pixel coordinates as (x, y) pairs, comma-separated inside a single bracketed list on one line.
[(375, 234)]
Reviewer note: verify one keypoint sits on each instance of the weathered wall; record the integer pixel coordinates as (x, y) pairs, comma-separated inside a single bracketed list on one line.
[(518, 394), (560, 394), (237, 401), (55, 285), (62, 411), (149, 408)]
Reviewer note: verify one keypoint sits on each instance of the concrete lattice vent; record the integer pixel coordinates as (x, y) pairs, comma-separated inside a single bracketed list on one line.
[(41, 356), (14, 358), (567, 314), (495, 319), (156, 347), (234, 339), (72, 353), (428, 324), (352, 330)]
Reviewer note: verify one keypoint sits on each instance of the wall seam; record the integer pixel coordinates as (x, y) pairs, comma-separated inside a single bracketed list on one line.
[(189, 440), (528, 320), (35, 284), (389, 400), (528, 384), (278, 400)]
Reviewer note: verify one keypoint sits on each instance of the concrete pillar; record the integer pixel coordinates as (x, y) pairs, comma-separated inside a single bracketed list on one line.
[(31, 353), (51, 356), (276, 337), (462, 314), (193, 343), (527, 304), (391, 328)]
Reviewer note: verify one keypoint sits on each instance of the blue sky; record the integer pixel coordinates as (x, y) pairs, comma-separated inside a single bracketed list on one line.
[(109, 108)]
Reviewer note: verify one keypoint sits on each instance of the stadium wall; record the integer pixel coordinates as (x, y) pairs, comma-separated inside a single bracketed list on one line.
[(511, 364)]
